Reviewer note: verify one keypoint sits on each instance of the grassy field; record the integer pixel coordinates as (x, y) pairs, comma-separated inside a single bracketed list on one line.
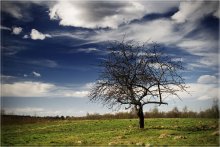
[(113, 132)]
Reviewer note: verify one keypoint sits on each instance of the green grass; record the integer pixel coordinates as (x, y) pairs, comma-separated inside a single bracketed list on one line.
[(113, 132)]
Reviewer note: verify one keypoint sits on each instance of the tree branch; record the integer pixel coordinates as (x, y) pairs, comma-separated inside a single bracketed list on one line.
[(155, 102)]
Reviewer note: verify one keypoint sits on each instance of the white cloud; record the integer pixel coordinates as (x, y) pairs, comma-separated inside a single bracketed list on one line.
[(211, 93), (210, 60), (20, 9), (202, 45), (24, 110), (25, 36), (206, 59), (88, 86), (217, 14), (35, 35), (5, 28), (77, 34), (11, 49), (26, 89), (38, 111), (87, 50), (80, 14), (160, 30), (146, 31), (200, 91), (205, 88), (205, 91), (142, 32), (76, 93), (16, 30), (186, 9), (36, 74), (12, 9), (40, 89), (207, 79), (194, 10), (44, 62), (103, 14), (164, 31), (193, 44), (6, 78), (33, 111)]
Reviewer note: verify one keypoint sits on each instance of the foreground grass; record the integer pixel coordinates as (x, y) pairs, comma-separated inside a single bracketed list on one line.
[(114, 132)]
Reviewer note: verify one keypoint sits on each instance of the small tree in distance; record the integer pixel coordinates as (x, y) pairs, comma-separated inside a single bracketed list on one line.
[(136, 75)]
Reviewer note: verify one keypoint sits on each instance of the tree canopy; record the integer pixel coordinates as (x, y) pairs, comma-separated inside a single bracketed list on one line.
[(136, 75)]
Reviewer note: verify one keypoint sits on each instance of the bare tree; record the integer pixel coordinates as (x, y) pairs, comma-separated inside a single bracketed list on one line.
[(136, 75)]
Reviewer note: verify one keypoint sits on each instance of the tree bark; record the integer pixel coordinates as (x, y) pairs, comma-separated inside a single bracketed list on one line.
[(141, 117)]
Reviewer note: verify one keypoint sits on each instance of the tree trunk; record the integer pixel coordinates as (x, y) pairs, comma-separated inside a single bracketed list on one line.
[(141, 117)]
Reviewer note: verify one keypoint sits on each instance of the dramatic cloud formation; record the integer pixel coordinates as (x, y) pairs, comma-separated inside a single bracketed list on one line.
[(103, 14), (16, 30), (79, 14), (35, 35), (194, 10), (167, 35), (146, 31), (79, 33)]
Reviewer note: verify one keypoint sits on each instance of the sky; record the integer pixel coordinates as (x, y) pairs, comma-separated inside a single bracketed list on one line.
[(50, 50)]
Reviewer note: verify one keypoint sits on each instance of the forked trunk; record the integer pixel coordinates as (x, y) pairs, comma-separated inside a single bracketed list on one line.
[(141, 117)]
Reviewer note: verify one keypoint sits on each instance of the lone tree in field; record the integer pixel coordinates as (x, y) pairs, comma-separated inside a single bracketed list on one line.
[(136, 75)]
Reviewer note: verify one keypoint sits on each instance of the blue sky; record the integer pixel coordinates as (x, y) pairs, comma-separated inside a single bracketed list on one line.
[(50, 49)]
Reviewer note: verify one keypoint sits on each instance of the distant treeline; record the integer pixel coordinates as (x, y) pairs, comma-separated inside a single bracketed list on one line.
[(212, 112)]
